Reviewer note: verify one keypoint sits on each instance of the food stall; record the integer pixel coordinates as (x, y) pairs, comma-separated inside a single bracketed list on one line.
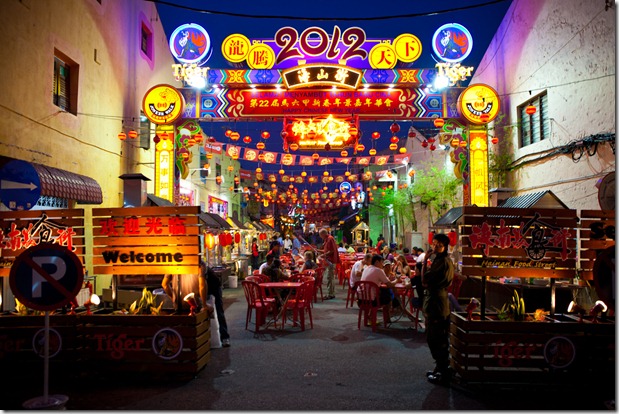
[(515, 343), (360, 235)]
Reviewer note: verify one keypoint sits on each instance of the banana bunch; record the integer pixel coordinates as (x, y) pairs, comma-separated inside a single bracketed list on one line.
[(146, 305), (513, 310)]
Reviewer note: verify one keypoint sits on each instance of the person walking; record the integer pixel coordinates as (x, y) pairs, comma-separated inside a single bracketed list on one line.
[(437, 275), (332, 258)]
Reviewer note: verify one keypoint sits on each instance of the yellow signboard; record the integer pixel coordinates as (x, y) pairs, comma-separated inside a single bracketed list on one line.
[(479, 168), (163, 104), (479, 104)]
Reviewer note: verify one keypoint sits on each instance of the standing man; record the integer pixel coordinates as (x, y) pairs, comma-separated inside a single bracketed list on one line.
[(332, 258), (436, 279), (255, 254)]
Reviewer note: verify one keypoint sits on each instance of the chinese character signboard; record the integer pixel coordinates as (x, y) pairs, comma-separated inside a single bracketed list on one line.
[(20, 230), (146, 240)]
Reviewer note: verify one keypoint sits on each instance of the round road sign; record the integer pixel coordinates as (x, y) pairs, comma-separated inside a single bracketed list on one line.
[(46, 277)]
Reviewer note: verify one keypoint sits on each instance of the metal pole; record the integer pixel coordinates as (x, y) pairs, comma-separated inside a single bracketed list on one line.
[(46, 361)]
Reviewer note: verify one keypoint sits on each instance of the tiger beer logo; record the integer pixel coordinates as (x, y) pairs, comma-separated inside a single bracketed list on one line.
[(163, 104)]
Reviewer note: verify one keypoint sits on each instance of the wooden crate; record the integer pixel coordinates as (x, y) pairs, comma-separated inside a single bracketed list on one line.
[(17, 334), (146, 344), (555, 351)]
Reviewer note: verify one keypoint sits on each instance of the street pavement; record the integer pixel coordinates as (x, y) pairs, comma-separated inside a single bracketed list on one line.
[(332, 367)]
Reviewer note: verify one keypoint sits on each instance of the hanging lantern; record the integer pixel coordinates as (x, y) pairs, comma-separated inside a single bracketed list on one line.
[(237, 238), (372, 152), (326, 173), (402, 150), (228, 239), (260, 146), (230, 168), (228, 133), (206, 166), (247, 139), (393, 147), (258, 170), (375, 135), (211, 139), (273, 185), (209, 240), (311, 134), (133, 134), (222, 239), (209, 155), (412, 134), (394, 128), (424, 143), (315, 156), (327, 147), (453, 238), (411, 173), (185, 155), (122, 136), (455, 142), (484, 118), (198, 137), (494, 140), (234, 136), (439, 122), (261, 157), (344, 153), (432, 147), (294, 146), (353, 130), (266, 134), (360, 147), (282, 172), (394, 139), (156, 139), (462, 143), (231, 188), (430, 237), (347, 173), (303, 174), (431, 140), (530, 110)]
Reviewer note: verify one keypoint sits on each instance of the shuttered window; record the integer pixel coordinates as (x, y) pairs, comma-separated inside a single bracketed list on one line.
[(145, 131), (534, 128), (65, 84), (62, 73)]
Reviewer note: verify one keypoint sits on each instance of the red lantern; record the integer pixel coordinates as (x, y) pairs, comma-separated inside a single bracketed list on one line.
[(294, 146), (222, 239), (395, 139), (265, 134), (375, 135), (234, 136), (495, 140), (360, 147), (530, 110), (484, 118), (260, 145), (432, 147), (133, 134), (439, 122), (353, 131), (198, 137), (393, 146), (344, 153), (122, 136), (430, 237), (247, 139), (424, 144), (228, 132), (228, 239), (237, 238), (463, 143), (453, 238), (394, 128)]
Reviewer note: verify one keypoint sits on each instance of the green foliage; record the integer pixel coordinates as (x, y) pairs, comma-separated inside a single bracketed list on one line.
[(435, 188)]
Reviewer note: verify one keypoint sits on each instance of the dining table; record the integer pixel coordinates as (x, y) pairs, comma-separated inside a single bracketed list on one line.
[(403, 292), (278, 288)]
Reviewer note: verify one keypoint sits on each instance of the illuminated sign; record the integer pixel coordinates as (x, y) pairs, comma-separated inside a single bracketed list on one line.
[(315, 44), (163, 104), (188, 72), (190, 43), (326, 133), (345, 187), (479, 168), (452, 42), (479, 104), (322, 75), (164, 169), (454, 72), (218, 206)]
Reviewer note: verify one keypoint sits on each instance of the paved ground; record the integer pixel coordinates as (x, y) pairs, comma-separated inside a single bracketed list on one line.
[(334, 366)]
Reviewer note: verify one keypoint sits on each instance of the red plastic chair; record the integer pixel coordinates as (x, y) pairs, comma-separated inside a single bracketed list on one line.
[(256, 300), (369, 303), (300, 304), (319, 271), (351, 295), (346, 278)]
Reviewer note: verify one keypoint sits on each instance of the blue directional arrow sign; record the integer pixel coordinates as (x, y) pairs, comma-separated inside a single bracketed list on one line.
[(20, 186)]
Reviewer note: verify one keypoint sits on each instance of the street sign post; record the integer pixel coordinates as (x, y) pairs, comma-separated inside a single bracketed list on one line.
[(45, 277), (20, 185)]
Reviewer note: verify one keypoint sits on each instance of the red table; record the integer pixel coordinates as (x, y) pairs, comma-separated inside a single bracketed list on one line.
[(278, 287)]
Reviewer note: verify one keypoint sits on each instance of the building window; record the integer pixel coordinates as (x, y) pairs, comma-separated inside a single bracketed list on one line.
[(534, 128), (145, 131), (146, 43), (66, 74)]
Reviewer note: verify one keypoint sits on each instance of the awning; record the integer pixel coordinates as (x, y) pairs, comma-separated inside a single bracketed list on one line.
[(450, 218), (53, 182), (209, 221), (223, 223), (236, 223), (158, 201), (544, 199), (259, 226)]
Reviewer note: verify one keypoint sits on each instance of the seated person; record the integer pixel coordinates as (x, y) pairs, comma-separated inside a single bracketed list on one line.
[(264, 265), (275, 272), (358, 268), (401, 267), (375, 273), (341, 248), (310, 262), (395, 301), (349, 248)]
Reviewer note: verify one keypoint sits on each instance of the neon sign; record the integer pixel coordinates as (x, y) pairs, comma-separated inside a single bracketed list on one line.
[(452, 42), (314, 45), (479, 104), (322, 75), (190, 43), (321, 133)]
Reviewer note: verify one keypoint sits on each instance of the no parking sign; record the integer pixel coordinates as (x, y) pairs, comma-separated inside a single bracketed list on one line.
[(46, 277)]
